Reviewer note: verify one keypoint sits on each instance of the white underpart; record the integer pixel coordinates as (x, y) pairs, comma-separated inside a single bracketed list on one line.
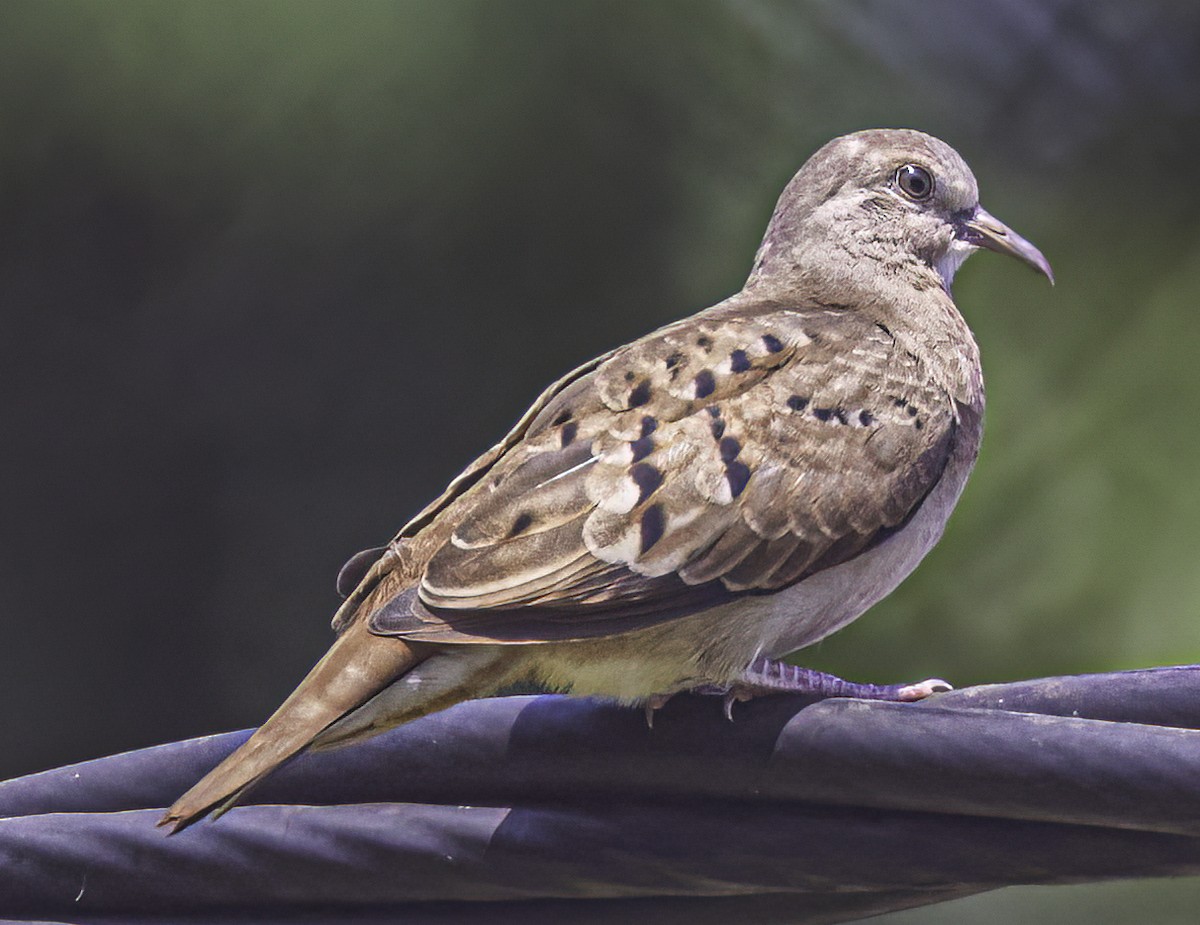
[(950, 261)]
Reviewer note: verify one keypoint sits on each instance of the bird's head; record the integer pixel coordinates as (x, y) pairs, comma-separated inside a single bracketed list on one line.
[(894, 201)]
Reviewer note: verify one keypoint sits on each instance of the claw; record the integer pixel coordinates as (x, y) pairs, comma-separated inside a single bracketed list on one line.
[(735, 694), (923, 689), (655, 702)]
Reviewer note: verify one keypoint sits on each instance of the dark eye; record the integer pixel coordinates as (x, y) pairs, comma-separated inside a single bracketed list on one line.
[(915, 182)]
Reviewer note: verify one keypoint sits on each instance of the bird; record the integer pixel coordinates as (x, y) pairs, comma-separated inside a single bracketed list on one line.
[(682, 512)]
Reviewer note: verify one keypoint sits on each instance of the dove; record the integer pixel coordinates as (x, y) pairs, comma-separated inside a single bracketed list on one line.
[(683, 511)]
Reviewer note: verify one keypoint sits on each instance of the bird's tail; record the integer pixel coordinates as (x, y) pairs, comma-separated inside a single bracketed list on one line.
[(355, 669)]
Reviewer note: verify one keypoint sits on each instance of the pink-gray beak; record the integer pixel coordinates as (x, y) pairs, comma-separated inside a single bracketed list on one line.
[(982, 229)]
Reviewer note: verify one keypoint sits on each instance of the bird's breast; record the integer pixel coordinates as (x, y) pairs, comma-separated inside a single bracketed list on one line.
[(826, 601)]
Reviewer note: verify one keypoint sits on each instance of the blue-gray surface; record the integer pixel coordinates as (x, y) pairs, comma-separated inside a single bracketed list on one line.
[(539, 808)]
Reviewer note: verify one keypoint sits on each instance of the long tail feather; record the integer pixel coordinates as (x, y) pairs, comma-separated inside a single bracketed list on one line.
[(357, 667)]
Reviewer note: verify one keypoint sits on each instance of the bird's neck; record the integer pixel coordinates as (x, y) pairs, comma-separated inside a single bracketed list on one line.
[(931, 327), (908, 297)]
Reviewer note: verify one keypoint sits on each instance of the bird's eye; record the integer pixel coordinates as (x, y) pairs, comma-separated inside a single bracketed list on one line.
[(915, 182)]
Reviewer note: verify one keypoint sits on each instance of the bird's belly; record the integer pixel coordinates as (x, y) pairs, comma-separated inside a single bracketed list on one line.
[(614, 671)]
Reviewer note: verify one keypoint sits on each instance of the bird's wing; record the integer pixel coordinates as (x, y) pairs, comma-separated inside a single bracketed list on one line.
[(363, 571), (722, 455)]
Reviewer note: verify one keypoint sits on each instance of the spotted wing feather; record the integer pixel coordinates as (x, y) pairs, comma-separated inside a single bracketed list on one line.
[(717, 456)]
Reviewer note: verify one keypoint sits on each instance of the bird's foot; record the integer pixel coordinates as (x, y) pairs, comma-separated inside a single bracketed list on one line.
[(767, 676)]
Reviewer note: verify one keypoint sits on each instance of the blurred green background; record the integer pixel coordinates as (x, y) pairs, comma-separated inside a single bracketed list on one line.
[(271, 272)]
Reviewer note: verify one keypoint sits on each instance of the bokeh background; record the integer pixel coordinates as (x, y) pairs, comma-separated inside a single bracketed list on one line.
[(271, 272)]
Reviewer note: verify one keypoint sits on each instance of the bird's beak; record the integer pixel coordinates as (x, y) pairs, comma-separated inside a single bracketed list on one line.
[(982, 229)]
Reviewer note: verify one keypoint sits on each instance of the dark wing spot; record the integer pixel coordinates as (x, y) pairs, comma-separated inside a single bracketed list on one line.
[(865, 418), (649, 425), (729, 448), (521, 524), (738, 361), (674, 360), (898, 402), (772, 343), (737, 474), (713, 411), (704, 341), (629, 374), (822, 414), (647, 478), (653, 525), (796, 403), (640, 395), (840, 415), (918, 424), (567, 436), (563, 417), (718, 429), (705, 383), (642, 447), (884, 328), (912, 411)]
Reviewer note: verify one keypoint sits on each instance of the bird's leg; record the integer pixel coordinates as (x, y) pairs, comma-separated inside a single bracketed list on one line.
[(767, 676)]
